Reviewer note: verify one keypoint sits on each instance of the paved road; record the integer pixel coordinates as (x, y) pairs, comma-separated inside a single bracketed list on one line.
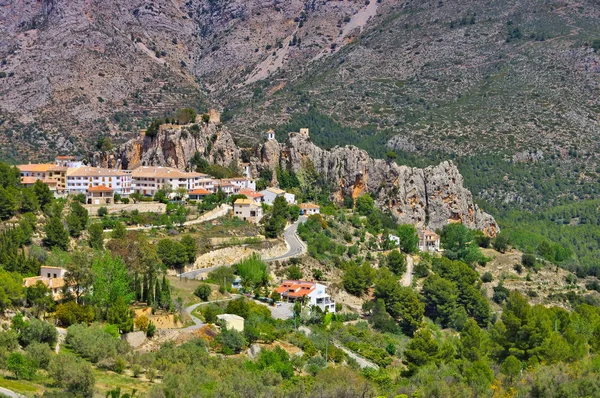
[(9, 393), (197, 322), (295, 248), (295, 245), (362, 362), (408, 275)]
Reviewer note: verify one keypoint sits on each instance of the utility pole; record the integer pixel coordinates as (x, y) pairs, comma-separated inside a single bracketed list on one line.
[(326, 350)]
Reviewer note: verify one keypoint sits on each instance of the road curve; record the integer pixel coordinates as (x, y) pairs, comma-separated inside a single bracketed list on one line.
[(295, 248), (9, 393)]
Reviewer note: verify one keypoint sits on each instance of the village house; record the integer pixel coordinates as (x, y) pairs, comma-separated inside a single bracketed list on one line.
[(227, 187), (52, 277), (68, 161), (429, 241), (247, 210), (147, 180), (308, 209), (243, 182), (252, 194), (310, 293), (82, 178), (207, 184), (198, 194), (100, 195), (270, 194)]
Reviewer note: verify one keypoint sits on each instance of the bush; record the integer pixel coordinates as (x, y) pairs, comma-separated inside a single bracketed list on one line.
[(94, 343), (203, 291), (487, 277), (73, 374), (38, 331), (528, 260), (22, 367), (294, 272), (151, 330), (142, 322), (70, 313), (40, 354), (231, 341), (102, 211)]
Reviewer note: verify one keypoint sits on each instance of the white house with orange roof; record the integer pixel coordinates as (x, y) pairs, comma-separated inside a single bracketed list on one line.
[(52, 277), (247, 210), (252, 194), (309, 209), (100, 195), (311, 293), (198, 194), (429, 241), (39, 171)]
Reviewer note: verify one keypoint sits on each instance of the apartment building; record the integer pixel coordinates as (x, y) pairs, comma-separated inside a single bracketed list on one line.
[(147, 180), (81, 178)]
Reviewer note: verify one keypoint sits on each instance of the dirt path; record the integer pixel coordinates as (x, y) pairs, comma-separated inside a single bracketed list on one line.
[(408, 275), (362, 362)]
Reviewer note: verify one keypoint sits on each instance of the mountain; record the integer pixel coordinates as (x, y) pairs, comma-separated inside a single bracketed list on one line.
[(455, 76)]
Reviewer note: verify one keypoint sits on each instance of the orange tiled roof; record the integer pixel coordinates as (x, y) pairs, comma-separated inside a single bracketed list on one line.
[(199, 191), (428, 233), (100, 188), (298, 288), (36, 168), (250, 193), (68, 157), (28, 180)]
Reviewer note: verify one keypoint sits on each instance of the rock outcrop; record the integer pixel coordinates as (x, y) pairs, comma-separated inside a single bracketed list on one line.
[(432, 197), (429, 197), (173, 146)]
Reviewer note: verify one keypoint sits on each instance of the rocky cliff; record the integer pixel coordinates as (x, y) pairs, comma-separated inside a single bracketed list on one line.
[(173, 146), (433, 196)]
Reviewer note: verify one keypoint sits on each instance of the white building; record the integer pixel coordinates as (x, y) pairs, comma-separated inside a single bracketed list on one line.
[(270, 194), (147, 180), (52, 277), (82, 178), (68, 161), (243, 182), (270, 135), (232, 321), (37, 171), (247, 210), (308, 209), (314, 293), (429, 241)]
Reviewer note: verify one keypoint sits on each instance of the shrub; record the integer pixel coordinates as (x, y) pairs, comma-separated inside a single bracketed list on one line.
[(151, 330), (38, 331), (102, 211), (94, 343), (142, 322), (231, 341), (23, 367), (487, 277), (40, 354), (203, 291), (73, 374)]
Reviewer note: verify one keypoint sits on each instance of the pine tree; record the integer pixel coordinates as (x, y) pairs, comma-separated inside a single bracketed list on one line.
[(56, 234)]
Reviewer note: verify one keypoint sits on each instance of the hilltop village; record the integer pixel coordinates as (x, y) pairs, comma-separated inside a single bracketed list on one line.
[(295, 263)]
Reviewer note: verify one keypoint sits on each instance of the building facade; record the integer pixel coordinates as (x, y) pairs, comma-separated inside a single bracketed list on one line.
[(311, 293), (147, 180), (80, 179), (247, 210)]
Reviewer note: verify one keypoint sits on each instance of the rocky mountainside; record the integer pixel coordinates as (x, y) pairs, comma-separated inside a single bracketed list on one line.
[(458, 76), (432, 196)]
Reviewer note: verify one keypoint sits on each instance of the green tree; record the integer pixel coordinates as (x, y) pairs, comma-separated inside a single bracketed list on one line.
[(11, 290), (96, 236), (186, 116), (39, 297), (172, 253), (21, 366), (73, 374), (420, 351), (396, 262), (56, 234), (501, 242), (511, 367), (70, 313), (252, 271), (8, 203), (29, 201), (190, 248), (203, 291), (111, 281), (365, 204), (77, 219), (294, 272), (43, 194), (102, 211), (440, 297), (38, 331), (409, 238), (118, 231), (358, 278), (120, 315), (231, 341)]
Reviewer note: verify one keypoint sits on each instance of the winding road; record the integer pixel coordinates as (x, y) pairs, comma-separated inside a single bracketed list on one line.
[(295, 248), (408, 275)]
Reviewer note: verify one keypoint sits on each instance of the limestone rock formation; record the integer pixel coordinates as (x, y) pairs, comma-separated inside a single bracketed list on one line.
[(432, 197), (173, 146)]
